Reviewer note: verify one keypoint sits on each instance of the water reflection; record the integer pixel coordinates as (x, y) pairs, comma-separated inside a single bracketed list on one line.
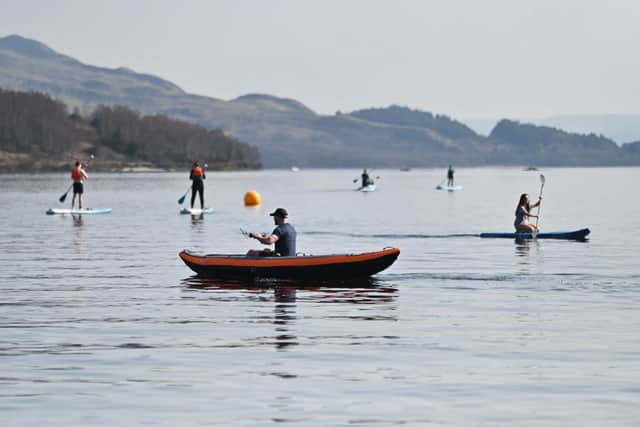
[(79, 241), (287, 295), (360, 287), (284, 313), (197, 219), (77, 220), (523, 247)]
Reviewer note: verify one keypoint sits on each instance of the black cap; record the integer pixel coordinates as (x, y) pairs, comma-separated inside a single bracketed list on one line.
[(281, 212)]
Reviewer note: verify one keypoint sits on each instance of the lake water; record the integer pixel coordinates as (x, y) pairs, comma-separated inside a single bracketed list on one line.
[(101, 324)]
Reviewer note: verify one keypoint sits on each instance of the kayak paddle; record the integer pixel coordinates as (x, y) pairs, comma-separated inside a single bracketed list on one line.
[(64, 196), (181, 199)]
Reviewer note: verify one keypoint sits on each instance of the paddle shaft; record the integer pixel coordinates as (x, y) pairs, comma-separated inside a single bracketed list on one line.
[(540, 200)]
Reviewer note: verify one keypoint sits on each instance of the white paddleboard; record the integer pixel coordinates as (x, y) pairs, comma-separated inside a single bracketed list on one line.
[(367, 188), (87, 211), (187, 211), (449, 188)]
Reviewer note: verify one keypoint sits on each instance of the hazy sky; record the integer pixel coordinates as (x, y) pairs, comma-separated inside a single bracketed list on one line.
[(467, 59)]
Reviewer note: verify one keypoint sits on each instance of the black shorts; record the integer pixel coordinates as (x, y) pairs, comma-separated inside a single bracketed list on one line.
[(78, 188)]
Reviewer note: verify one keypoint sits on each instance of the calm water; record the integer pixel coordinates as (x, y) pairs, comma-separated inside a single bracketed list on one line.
[(101, 324)]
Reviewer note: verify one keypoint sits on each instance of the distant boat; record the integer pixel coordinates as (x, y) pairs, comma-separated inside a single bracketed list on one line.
[(295, 169), (530, 168), (405, 169)]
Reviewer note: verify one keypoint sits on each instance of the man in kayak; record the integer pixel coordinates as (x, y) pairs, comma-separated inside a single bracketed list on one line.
[(284, 237), (197, 186), (78, 175), (450, 173), (523, 214)]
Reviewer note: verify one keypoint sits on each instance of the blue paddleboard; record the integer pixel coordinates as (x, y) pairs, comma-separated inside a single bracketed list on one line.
[(568, 235)]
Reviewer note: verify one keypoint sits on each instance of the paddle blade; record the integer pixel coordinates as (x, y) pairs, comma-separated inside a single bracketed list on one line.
[(542, 179), (63, 198), (180, 200)]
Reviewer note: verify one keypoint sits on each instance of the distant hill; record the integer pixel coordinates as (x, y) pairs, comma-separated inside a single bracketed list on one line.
[(621, 128), (288, 133), (553, 147), (38, 134)]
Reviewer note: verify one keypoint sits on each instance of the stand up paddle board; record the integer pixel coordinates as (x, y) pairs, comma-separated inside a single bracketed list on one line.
[(367, 188), (188, 211), (87, 211), (568, 235), (449, 188)]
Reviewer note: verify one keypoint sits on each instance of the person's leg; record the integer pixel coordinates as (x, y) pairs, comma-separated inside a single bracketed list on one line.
[(73, 200), (260, 252), (193, 195), (80, 201), (201, 191)]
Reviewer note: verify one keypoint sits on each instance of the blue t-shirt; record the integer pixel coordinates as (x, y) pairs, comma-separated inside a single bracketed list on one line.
[(286, 244)]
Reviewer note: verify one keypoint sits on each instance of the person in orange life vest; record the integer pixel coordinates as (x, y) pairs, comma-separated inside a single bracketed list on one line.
[(78, 175), (197, 176)]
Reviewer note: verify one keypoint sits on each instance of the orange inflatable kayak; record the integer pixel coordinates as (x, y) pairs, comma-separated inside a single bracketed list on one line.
[(304, 267)]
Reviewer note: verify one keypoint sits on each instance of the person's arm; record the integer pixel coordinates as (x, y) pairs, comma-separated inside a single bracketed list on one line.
[(536, 204), (84, 174), (264, 239), (528, 214), (191, 175)]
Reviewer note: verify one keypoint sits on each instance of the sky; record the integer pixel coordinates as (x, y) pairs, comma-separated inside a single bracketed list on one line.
[(466, 59)]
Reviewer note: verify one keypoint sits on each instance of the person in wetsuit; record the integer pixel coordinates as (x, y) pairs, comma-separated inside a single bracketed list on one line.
[(450, 173), (197, 176), (366, 180), (78, 175), (284, 237)]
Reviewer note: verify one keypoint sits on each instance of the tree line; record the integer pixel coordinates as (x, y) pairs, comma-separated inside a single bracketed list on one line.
[(39, 132)]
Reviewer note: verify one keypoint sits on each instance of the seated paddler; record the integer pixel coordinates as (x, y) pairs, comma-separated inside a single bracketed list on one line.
[(283, 236)]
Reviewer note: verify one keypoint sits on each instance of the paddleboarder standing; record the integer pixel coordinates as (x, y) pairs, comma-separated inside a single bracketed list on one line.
[(450, 173), (78, 175), (366, 180), (523, 214), (197, 176), (284, 237)]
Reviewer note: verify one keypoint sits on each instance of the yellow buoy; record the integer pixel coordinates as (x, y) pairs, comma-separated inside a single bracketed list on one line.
[(252, 198)]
